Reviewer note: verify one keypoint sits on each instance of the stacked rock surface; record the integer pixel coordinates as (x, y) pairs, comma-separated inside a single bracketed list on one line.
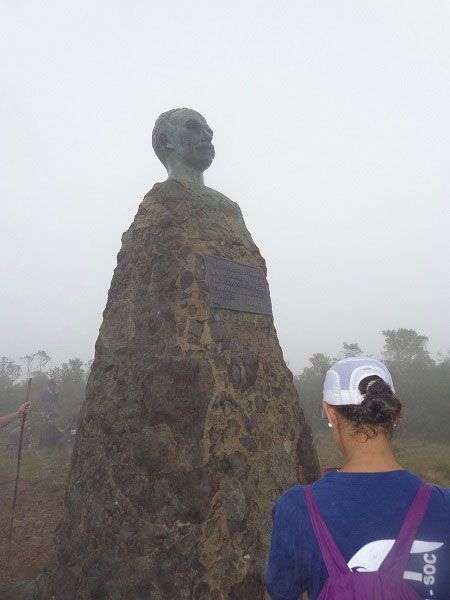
[(191, 426)]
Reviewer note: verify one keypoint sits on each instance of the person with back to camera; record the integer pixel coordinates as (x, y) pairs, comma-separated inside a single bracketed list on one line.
[(370, 530)]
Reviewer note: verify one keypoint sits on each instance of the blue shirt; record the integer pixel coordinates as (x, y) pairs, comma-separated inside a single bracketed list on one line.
[(364, 513)]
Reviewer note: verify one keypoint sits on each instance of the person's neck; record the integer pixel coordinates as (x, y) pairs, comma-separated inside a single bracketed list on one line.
[(372, 456), (184, 173)]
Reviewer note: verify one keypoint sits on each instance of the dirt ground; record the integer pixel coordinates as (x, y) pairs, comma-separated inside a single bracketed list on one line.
[(37, 516)]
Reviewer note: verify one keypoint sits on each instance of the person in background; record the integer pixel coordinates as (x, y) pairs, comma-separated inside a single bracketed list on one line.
[(360, 508), (6, 419)]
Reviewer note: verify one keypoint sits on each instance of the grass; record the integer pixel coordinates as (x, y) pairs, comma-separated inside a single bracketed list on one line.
[(429, 460), (44, 471)]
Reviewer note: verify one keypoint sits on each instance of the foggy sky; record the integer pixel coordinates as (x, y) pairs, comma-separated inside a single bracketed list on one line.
[(331, 127)]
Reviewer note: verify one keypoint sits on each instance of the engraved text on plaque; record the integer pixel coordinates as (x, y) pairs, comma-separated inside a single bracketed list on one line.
[(237, 287)]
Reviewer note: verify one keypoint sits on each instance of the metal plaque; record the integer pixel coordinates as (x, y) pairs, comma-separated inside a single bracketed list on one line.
[(237, 287)]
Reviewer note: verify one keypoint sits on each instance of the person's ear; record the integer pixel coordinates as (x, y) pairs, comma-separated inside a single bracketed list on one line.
[(164, 141), (330, 415)]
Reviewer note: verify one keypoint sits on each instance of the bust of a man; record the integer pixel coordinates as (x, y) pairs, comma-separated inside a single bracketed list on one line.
[(182, 141)]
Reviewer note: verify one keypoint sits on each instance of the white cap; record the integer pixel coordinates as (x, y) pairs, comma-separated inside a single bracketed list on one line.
[(343, 378)]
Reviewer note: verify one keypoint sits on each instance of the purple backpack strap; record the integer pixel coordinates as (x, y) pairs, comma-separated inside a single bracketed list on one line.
[(331, 554), (397, 560)]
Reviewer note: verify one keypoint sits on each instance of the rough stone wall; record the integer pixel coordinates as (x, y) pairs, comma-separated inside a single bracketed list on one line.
[(191, 426)]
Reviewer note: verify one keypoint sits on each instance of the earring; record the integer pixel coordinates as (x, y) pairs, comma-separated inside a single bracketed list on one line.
[(330, 425)]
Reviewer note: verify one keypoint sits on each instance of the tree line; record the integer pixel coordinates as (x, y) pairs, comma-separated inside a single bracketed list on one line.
[(422, 384), (58, 391)]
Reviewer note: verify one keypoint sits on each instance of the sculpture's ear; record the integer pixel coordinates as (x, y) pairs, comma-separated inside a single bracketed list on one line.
[(164, 141)]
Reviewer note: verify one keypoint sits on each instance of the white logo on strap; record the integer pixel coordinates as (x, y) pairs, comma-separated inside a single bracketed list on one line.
[(371, 556)]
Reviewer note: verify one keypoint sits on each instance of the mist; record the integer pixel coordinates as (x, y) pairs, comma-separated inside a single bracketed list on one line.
[(331, 128)]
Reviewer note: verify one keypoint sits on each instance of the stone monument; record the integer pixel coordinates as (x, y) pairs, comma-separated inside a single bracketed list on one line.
[(191, 426)]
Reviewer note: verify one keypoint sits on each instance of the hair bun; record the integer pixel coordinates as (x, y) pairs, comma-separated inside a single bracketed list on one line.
[(379, 406), (379, 411)]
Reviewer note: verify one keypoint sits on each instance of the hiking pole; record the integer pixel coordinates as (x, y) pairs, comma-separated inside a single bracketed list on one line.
[(16, 486)]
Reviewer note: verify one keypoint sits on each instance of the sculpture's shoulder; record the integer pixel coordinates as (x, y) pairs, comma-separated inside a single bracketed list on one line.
[(154, 204), (165, 191), (175, 204), (223, 208), (200, 196), (222, 199)]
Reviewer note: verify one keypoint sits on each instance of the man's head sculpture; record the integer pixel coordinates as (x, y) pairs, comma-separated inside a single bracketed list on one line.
[(181, 140)]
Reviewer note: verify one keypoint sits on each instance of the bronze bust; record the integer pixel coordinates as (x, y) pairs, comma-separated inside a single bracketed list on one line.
[(182, 140)]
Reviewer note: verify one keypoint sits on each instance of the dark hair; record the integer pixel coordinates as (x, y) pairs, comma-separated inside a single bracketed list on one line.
[(379, 411)]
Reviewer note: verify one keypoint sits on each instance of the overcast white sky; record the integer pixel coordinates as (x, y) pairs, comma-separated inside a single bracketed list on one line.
[(331, 126)]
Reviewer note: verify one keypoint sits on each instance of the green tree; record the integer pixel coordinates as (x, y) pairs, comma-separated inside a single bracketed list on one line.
[(69, 380), (320, 363), (28, 359), (309, 385), (12, 388), (351, 349), (421, 384), (42, 359), (9, 372), (405, 347)]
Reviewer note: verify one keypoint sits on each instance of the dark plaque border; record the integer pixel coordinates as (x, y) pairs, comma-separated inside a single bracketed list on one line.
[(238, 287)]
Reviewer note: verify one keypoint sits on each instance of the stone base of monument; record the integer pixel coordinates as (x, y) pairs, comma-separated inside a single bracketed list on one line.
[(192, 427)]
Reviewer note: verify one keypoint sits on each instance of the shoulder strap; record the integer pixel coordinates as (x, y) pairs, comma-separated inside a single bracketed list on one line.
[(331, 554), (397, 560)]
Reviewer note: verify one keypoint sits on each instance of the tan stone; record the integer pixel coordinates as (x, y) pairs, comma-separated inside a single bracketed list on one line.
[(191, 426)]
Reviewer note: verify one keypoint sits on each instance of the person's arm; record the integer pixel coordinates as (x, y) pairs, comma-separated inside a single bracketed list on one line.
[(7, 419)]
